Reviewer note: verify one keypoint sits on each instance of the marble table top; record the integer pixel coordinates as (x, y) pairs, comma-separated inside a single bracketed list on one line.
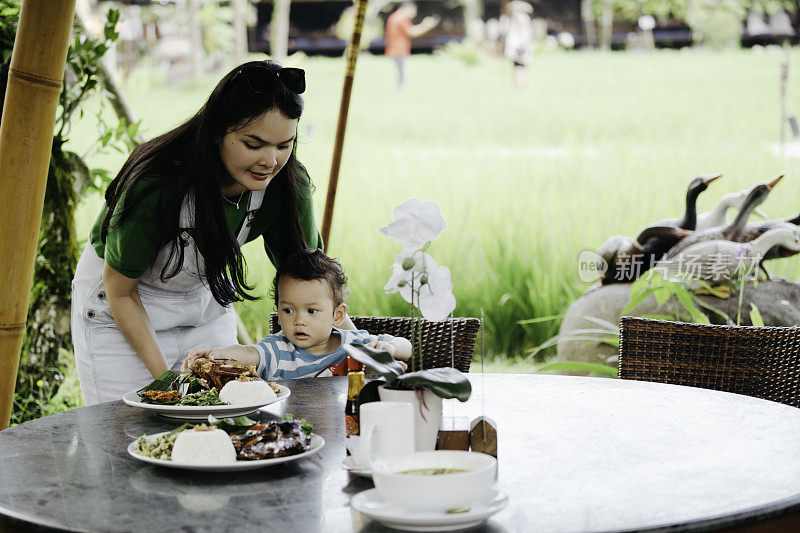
[(575, 454)]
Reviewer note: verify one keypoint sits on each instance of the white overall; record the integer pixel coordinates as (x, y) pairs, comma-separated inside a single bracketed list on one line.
[(181, 309)]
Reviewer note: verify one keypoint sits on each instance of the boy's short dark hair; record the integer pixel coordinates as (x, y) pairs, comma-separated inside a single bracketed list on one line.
[(309, 265)]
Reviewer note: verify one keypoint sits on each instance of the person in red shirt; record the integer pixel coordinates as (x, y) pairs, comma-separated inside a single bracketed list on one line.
[(400, 30)]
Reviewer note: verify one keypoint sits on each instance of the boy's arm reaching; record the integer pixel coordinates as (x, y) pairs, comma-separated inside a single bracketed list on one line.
[(398, 347), (246, 355)]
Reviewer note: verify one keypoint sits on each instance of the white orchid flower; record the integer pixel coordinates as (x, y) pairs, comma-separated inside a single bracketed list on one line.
[(436, 298), (409, 266), (415, 223), (430, 282), (400, 281)]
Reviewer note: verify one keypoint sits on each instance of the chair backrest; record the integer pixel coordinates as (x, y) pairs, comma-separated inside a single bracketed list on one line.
[(447, 343), (756, 361)]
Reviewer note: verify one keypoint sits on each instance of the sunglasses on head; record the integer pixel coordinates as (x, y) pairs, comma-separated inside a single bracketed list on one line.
[(262, 80)]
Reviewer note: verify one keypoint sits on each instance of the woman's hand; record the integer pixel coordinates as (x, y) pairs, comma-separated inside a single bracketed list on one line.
[(197, 353)]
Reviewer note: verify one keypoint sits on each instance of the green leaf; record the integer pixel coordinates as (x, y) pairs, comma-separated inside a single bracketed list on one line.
[(635, 301), (233, 426), (686, 300), (600, 322), (713, 309), (755, 316), (133, 129), (378, 361), (443, 382), (662, 294), (601, 335), (547, 318), (660, 317), (580, 366), (640, 285)]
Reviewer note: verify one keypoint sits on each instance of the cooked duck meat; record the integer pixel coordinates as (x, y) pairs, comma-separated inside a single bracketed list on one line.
[(267, 441), (217, 372)]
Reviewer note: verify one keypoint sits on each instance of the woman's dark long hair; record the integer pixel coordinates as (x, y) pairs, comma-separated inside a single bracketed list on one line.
[(187, 160)]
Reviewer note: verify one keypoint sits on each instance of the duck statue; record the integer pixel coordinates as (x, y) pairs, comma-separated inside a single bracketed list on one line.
[(731, 232), (717, 216), (627, 258), (723, 260), (689, 219)]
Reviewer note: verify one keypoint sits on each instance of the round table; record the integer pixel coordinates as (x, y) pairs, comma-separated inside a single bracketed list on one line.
[(575, 454)]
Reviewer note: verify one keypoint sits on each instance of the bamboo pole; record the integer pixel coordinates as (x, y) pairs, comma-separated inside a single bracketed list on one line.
[(344, 107), (26, 137)]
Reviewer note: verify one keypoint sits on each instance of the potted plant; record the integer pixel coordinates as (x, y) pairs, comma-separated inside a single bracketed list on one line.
[(427, 287), (424, 389)]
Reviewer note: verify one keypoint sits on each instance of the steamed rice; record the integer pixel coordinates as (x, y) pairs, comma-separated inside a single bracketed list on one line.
[(247, 393), (203, 447)]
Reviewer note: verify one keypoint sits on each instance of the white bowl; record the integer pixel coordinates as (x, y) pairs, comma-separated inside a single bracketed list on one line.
[(435, 492)]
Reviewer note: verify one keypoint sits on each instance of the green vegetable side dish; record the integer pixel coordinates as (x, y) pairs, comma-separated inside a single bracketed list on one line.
[(159, 447), (203, 397)]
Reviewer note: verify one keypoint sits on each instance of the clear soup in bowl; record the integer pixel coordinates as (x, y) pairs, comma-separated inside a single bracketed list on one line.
[(437, 480)]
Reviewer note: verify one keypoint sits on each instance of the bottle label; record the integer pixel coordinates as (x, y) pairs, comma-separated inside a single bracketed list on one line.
[(351, 424)]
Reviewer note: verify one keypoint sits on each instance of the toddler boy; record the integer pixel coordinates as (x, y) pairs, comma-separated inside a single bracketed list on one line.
[(309, 295)]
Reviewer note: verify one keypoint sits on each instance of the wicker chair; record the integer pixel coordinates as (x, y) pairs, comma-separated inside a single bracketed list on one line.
[(756, 361), (437, 349)]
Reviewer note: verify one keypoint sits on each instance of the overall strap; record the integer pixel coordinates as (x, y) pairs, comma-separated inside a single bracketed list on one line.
[(186, 218), (253, 203)]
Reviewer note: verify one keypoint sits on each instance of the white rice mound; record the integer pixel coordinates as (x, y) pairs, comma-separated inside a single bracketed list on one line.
[(247, 393), (200, 447)]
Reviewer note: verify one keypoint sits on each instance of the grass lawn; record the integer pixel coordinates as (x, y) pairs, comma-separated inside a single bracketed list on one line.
[(601, 144)]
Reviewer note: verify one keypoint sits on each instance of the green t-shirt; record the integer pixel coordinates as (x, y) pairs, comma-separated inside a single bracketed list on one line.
[(132, 247)]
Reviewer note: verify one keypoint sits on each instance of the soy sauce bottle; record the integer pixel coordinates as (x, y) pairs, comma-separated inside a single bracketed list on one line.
[(355, 382)]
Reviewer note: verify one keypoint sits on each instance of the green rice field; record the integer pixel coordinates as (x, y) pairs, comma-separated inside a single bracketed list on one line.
[(600, 144)]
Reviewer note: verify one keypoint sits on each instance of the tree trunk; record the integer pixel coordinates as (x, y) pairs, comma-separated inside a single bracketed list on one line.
[(240, 31), (588, 23), (606, 24), (196, 38), (279, 30)]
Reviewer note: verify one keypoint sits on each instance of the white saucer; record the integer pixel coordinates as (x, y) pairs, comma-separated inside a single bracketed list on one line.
[(371, 504), (349, 464)]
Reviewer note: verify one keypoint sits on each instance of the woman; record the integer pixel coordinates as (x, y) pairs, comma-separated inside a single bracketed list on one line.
[(164, 260)]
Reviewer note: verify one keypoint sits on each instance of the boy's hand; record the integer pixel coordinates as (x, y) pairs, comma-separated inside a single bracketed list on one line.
[(197, 353), (385, 346), (389, 348)]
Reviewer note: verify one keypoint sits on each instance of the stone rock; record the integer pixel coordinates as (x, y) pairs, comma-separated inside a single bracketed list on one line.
[(778, 301)]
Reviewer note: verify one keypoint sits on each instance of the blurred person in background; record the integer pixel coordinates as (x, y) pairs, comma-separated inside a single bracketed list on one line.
[(400, 30), (519, 34)]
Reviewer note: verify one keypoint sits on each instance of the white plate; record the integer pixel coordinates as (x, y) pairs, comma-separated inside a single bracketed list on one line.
[(371, 504), (201, 412), (349, 464), (316, 445)]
